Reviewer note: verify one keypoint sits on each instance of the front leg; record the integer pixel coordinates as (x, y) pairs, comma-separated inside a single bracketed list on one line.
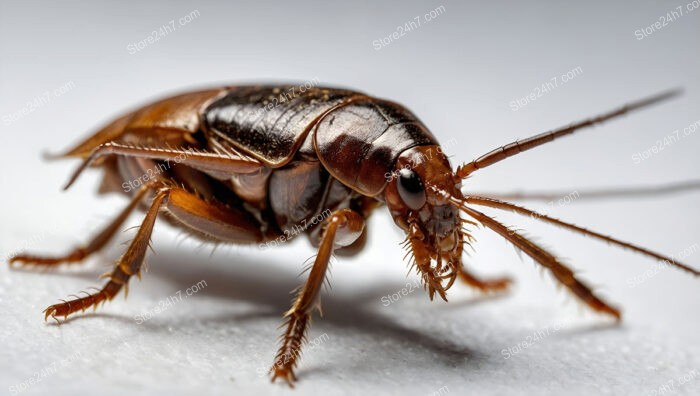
[(342, 229)]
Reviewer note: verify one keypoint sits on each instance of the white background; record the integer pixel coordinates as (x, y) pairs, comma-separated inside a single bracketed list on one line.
[(458, 73)]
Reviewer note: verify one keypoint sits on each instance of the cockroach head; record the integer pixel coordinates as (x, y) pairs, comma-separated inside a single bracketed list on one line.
[(421, 194)]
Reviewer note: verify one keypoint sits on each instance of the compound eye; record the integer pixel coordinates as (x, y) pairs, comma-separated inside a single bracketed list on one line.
[(411, 189)]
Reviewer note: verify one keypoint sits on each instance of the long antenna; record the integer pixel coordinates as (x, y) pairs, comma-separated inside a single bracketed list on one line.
[(520, 146)]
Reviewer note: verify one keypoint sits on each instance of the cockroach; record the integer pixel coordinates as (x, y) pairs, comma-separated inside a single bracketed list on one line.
[(247, 164)]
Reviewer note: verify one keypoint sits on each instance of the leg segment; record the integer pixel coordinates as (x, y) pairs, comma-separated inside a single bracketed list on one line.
[(341, 229), (97, 243), (484, 285), (208, 219), (211, 220), (129, 264), (560, 271)]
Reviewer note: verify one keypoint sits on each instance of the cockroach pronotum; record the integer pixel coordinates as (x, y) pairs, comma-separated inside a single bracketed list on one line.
[(247, 164)]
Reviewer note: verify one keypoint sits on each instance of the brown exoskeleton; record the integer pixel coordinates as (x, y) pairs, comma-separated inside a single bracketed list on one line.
[(246, 164)]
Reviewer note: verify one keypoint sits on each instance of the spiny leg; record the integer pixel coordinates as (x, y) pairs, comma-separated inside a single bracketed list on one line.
[(561, 273), (626, 245), (82, 252), (482, 285), (342, 229), (128, 265), (520, 146), (212, 220)]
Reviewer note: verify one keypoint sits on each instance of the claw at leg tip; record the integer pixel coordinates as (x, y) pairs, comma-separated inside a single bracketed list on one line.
[(287, 375), (49, 312)]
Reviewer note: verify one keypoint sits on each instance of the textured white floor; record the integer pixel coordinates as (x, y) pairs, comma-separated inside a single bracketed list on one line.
[(221, 338), (458, 74)]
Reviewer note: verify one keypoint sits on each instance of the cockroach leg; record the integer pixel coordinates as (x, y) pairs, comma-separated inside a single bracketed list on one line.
[(484, 285), (572, 227), (128, 265), (342, 229), (520, 146), (97, 243), (212, 220), (217, 165), (561, 273)]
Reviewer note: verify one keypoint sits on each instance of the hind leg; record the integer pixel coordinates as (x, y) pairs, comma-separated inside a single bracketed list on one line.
[(128, 264), (80, 253), (342, 229), (208, 219)]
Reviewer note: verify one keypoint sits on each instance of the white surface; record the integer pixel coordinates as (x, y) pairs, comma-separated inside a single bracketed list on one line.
[(459, 74)]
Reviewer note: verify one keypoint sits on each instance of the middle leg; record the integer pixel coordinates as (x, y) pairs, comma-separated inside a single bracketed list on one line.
[(342, 229)]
